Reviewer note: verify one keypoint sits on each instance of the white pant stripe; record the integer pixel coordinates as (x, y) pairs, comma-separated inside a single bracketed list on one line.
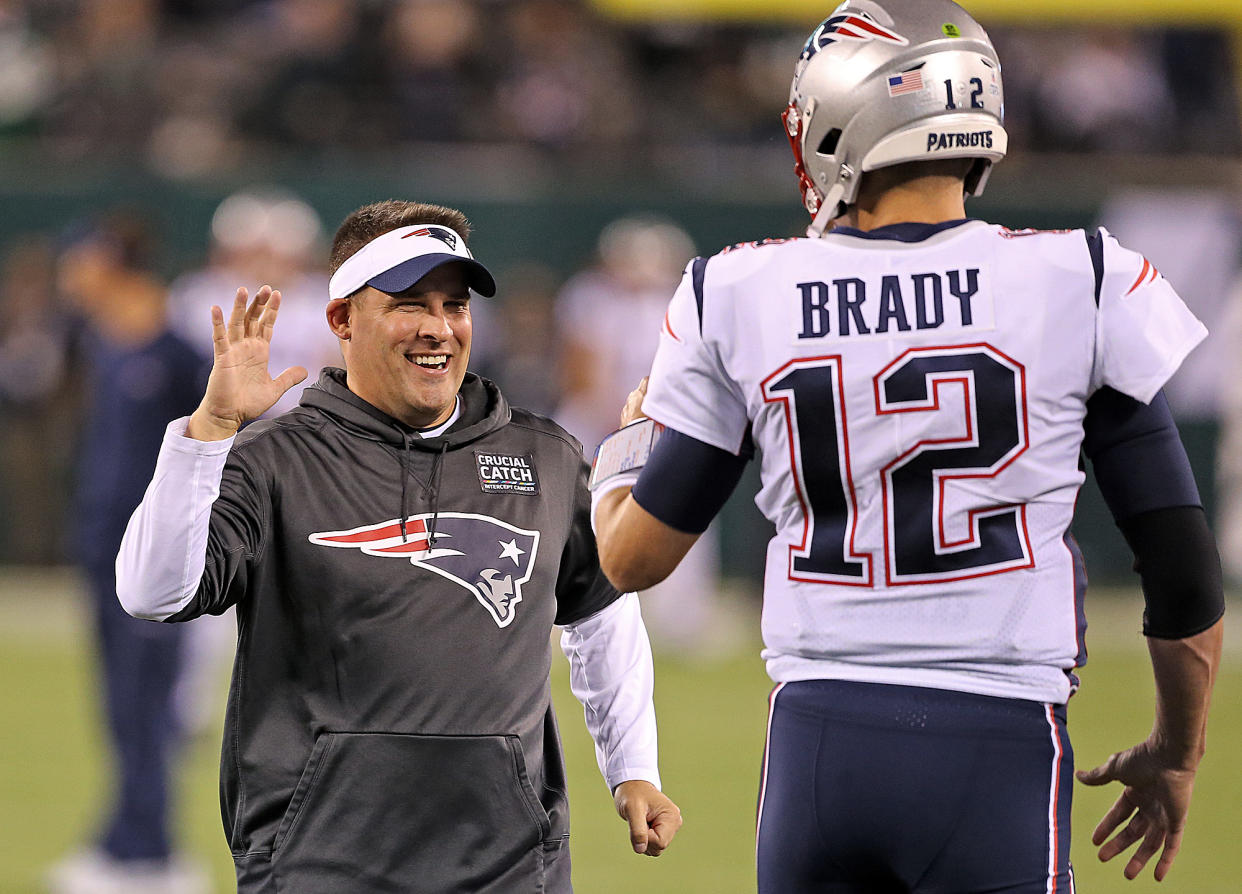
[(763, 777), (1054, 790)]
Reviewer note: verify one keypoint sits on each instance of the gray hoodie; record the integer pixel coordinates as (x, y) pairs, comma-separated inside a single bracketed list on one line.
[(389, 724)]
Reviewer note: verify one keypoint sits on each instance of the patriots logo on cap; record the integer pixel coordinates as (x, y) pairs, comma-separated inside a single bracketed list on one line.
[(489, 558), (448, 237), (849, 26)]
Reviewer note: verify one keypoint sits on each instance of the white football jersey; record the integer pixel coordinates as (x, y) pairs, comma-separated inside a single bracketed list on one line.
[(918, 410)]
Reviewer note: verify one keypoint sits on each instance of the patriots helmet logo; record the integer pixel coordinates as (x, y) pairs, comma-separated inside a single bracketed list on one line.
[(445, 235), (850, 27), (489, 558)]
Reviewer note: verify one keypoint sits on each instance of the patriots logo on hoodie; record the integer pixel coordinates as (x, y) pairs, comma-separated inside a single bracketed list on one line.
[(488, 557)]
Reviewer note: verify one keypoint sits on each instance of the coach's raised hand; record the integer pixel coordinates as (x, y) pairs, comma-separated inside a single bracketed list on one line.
[(240, 387)]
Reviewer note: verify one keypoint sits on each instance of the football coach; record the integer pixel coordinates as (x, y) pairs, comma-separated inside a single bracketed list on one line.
[(398, 549)]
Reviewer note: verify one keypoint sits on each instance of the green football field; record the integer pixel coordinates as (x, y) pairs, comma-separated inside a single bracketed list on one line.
[(711, 714)]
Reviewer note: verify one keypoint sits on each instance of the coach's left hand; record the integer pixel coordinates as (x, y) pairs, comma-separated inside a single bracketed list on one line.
[(653, 817)]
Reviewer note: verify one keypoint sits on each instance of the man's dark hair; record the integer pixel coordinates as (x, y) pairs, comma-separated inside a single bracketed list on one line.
[(378, 218)]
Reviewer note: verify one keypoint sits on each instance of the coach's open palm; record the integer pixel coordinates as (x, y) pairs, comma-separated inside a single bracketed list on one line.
[(240, 387)]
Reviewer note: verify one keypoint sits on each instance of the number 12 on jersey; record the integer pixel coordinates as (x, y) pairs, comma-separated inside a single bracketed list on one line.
[(917, 547)]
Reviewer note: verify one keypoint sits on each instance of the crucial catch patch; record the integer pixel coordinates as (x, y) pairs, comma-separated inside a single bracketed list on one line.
[(507, 473)]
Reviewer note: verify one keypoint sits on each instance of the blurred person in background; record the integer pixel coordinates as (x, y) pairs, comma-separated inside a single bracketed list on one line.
[(564, 80), (263, 234), (318, 90), (920, 388), (1104, 90), (609, 319), (38, 404), (527, 359), (138, 373), (436, 63), (27, 69)]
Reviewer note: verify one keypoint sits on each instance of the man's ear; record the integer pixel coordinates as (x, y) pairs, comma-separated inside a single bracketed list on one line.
[(338, 313)]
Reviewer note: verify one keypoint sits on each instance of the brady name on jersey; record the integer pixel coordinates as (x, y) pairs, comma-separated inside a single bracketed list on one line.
[(854, 306)]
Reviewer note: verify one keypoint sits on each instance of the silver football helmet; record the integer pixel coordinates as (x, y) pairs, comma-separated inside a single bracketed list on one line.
[(881, 82)]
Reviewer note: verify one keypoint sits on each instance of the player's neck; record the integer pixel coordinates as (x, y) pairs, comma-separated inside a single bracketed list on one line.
[(922, 200)]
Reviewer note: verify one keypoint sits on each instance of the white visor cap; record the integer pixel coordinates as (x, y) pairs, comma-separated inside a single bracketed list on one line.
[(399, 258)]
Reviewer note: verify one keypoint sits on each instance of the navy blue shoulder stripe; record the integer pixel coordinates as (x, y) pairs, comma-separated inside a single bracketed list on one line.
[(697, 270), (1095, 245)]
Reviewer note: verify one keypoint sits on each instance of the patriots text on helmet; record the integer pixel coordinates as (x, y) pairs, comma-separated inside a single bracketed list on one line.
[(979, 139)]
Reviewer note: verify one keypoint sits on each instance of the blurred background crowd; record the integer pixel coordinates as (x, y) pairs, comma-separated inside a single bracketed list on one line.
[(195, 86), (156, 154)]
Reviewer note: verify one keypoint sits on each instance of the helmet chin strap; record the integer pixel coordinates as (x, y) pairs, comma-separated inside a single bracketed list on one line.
[(827, 212)]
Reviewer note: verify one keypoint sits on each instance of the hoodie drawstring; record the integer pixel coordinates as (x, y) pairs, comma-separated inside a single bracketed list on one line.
[(405, 475), (437, 470)]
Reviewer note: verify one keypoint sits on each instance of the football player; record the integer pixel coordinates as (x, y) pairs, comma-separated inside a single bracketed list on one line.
[(919, 386)]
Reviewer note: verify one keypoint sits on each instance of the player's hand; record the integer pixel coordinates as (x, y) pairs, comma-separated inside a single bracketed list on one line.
[(654, 819), (633, 410), (1155, 802), (240, 387)]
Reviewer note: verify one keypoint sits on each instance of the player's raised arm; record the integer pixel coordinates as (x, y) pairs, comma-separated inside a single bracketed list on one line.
[(240, 387)]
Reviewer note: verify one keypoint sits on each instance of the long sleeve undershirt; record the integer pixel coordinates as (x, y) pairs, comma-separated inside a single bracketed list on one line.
[(164, 551)]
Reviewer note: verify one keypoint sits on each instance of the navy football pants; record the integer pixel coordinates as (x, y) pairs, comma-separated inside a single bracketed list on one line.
[(878, 788), (140, 662)]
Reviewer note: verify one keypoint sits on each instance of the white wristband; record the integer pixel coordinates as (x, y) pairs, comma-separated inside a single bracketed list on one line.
[(625, 450), (620, 458)]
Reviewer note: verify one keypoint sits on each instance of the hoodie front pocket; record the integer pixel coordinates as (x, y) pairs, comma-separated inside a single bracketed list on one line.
[(381, 812)]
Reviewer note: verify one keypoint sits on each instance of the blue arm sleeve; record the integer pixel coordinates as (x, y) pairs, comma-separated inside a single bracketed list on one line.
[(686, 482), (1147, 482), (1176, 559), (1137, 454)]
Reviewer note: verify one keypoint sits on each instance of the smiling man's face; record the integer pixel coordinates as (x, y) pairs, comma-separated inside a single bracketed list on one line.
[(406, 353)]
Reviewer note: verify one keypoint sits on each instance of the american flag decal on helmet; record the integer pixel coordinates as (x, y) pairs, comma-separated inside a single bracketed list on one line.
[(489, 558), (849, 26)]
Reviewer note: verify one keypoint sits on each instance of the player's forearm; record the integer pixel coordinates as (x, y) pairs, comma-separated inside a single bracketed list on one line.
[(636, 549), (617, 555), (1185, 671), (164, 549)]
